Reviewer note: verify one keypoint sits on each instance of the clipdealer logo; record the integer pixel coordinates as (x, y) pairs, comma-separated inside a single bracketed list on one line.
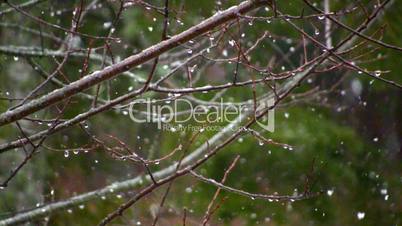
[(182, 111)]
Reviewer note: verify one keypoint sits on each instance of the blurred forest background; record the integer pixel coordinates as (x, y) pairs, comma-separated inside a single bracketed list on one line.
[(347, 143)]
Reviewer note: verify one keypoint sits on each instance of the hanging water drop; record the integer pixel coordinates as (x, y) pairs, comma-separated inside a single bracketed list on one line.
[(231, 42), (292, 49), (360, 215), (225, 53), (107, 25)]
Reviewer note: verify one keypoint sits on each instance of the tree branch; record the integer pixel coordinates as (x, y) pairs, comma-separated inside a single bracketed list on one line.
[(128, 63)]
